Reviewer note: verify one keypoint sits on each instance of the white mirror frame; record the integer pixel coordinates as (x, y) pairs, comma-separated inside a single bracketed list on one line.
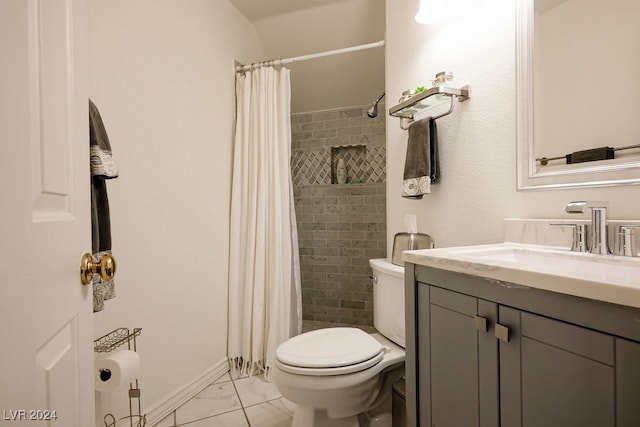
[(528, 178)]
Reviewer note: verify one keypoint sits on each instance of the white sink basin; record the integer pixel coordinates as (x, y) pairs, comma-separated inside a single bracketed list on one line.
[(603, 277)]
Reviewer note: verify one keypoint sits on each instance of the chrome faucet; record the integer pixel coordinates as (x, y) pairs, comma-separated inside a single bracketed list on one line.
[(598, 228)]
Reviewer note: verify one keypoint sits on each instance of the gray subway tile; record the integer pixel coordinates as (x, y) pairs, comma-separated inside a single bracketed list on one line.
[(339, 243), (323, 116), (351, 112), (352, 304), (327, 251), (301, 118), (333, 124), (362, 190), (338, 190), (332, 217), (357, 130), (342, 226), (339, 225), (324, 133), (306, 127), (314, 226)]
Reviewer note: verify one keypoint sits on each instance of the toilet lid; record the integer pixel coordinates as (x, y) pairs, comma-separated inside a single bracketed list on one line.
[(329, 348)]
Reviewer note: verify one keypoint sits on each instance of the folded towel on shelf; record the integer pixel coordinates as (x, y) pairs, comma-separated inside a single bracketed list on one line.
[(421, 166), (102, 167)]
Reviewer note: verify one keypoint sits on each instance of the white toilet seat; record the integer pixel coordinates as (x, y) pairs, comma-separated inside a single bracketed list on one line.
[(332, 351)]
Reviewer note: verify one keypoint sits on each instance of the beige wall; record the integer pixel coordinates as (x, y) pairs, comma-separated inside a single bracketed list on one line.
[(332, 82), (478, 141), (161, 73)]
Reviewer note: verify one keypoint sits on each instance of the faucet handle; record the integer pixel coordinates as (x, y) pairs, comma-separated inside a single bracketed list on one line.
[(579, 242), (625, 240), (580, 206)]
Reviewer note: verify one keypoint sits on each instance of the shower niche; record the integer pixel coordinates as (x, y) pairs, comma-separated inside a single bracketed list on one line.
[(355, 160)]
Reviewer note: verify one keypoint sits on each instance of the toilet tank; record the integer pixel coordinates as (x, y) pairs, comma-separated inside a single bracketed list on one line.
[(388, 299)]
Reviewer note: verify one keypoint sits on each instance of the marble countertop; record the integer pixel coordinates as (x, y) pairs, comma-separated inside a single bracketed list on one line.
[(606, 278)]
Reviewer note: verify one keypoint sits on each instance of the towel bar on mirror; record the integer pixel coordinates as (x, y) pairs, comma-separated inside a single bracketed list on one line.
[(590, 155)]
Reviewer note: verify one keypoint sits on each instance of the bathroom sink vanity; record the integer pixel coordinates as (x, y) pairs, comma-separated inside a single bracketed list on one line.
[(522, 335)]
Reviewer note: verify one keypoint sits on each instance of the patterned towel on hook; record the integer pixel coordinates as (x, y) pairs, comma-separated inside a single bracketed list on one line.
[(414, 187), (102, 167)]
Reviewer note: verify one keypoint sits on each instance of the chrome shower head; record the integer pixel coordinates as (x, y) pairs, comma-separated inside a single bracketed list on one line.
[(373, 111)]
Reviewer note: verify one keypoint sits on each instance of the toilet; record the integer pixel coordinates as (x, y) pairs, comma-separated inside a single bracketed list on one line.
[(342, 377)]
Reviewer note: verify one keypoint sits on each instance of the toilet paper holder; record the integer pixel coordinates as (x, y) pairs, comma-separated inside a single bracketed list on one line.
[(107, 343)]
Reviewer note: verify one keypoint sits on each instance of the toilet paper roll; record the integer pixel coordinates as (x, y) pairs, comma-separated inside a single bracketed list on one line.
[(121, 367)]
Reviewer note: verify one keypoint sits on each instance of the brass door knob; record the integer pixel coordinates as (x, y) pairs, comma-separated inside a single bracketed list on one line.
[(106, 268)]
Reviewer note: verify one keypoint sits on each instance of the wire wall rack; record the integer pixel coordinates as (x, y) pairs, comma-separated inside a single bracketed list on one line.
[(108, 343), (115, 339)]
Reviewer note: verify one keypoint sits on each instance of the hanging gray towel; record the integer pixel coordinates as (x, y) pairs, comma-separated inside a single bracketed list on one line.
[(422, 164), (102, 168)]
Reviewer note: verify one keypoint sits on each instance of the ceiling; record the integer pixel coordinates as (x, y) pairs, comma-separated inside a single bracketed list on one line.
[(260, 9), (289, 28)]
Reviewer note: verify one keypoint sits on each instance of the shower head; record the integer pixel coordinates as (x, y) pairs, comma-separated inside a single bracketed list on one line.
[(373, 111)]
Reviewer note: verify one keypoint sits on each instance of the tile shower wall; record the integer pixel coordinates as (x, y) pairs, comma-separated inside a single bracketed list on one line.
[(340, 227)]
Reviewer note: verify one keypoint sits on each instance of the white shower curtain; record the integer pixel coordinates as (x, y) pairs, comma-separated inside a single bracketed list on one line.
[(264, 269)]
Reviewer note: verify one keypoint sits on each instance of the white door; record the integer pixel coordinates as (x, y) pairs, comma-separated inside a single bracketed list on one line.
[(46, 328)]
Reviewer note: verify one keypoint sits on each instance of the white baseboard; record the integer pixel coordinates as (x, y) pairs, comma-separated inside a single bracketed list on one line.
[(159, 410)]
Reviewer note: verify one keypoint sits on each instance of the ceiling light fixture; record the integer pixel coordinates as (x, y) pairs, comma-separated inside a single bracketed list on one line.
[(431, 11)]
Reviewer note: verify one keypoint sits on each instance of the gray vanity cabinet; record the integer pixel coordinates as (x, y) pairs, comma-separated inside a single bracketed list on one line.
[(494, 354)]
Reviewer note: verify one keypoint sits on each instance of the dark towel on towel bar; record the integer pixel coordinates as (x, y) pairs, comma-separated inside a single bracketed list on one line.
[(421, 167), (102, 168)]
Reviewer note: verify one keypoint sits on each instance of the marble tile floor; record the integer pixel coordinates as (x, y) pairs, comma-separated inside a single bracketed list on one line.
[(235, 401), (240, 402)]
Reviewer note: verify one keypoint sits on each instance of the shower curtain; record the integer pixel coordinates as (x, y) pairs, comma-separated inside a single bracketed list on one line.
[(264, 269)]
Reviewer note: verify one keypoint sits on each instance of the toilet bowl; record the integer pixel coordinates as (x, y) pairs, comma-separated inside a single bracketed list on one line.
[(338, 376)]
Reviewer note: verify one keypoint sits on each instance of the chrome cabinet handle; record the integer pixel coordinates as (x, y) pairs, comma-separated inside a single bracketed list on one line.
[(481, 323), (502, 332)]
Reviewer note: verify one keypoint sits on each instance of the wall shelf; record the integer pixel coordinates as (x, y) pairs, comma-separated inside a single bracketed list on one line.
[(431, 99)]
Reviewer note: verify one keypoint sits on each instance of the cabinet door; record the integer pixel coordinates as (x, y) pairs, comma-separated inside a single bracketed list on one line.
[(555, 374), (627, 383), (457, 360)]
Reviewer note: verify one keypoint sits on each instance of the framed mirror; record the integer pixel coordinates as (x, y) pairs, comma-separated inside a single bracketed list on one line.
[(578, 106)]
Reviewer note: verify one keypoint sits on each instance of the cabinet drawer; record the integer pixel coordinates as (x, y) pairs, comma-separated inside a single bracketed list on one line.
[(588, 343), (455, 301)]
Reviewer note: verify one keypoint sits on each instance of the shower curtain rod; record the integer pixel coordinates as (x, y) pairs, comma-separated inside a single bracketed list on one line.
[(312, 56)]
